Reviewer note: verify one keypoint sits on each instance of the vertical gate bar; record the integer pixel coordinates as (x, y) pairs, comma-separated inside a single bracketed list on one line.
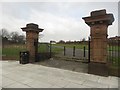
[(74, 51), (116, 51), (50, 49), (112, 51), (108, 50), (64, 50), (108, 56), (119, 53), (117, 48), (46, 48), (88, 49), (114, 48), (84, 52), (80, 51)]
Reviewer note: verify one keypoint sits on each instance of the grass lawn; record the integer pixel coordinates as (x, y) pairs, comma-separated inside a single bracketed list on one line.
[(115, 61), (77, 46), (43, 48), (11, 51), (113, 48), (46, 48), (81, 46)]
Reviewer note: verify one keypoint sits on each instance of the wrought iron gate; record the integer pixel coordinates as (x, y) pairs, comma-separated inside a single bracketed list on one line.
[(71, 51)]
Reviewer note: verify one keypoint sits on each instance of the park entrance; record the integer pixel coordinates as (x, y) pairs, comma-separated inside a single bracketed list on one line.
[(94, 51)]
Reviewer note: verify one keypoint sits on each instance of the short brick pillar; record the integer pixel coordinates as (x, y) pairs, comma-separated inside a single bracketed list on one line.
[(32, 33), (98, 22)]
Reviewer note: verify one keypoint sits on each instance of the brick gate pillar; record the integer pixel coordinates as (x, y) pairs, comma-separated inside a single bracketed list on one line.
[(98, 22), (32, 33)]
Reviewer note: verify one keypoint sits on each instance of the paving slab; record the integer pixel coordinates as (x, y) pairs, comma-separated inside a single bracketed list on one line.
[(74, 85), (16, 85), (16, 75), (95, 84), (39, 84), (7, 81)]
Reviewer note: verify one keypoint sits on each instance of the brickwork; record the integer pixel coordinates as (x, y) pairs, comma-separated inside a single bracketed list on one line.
[(98, 43), (32, 32), (98, 22)]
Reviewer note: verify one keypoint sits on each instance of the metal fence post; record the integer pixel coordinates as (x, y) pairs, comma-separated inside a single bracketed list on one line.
[(64, 50), (74, 51), (84, 52), (112, 50), (88, 49), (118, 49), (50, 49)]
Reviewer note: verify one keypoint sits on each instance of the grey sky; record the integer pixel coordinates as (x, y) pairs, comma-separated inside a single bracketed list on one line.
[(60, 20)]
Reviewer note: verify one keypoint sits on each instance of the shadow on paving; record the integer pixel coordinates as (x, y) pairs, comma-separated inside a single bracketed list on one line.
[(67, 65)]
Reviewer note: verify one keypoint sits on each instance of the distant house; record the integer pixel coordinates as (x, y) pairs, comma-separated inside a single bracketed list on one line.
[(53, 42), (115, 38)]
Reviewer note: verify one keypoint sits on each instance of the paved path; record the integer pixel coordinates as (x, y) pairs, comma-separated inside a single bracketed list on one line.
[(79, 53), (63, 64), (15, 75)]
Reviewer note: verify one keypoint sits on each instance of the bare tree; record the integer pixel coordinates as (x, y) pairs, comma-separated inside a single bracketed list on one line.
[(4, 35), (14, 37), (83, 39), (21, 39)]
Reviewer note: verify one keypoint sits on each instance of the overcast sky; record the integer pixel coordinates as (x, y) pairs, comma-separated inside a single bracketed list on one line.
[(60, 20)]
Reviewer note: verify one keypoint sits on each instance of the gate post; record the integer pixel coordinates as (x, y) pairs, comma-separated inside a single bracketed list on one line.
[(32, 32), (98, 22)]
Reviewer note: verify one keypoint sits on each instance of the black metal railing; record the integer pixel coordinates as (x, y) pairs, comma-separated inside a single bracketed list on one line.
[(77, 51), (113, 52)]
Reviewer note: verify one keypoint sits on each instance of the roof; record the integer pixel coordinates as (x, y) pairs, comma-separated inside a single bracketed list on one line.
[(32, 27)]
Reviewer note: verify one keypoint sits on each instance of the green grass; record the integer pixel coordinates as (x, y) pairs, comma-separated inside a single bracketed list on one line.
[(115, 61), (43, 48), (12, 50), (77, 46), (81, 46), (57, 50), (46, 48), (113, 48)]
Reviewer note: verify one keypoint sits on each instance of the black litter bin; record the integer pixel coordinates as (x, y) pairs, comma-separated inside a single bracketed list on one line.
[(24, 57)]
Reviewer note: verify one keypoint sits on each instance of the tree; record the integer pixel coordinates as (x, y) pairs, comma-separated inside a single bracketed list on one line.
[(21, 39), (14, 37), (83, 39), (4, 35), (61, 42)]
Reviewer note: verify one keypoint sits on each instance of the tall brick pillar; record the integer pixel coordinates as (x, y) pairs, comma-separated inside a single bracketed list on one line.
[(98, 22), (32, 32)]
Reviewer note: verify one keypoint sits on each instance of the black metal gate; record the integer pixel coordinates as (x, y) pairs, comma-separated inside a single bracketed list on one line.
[(113, 51), (79, 51), (113, 56)]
